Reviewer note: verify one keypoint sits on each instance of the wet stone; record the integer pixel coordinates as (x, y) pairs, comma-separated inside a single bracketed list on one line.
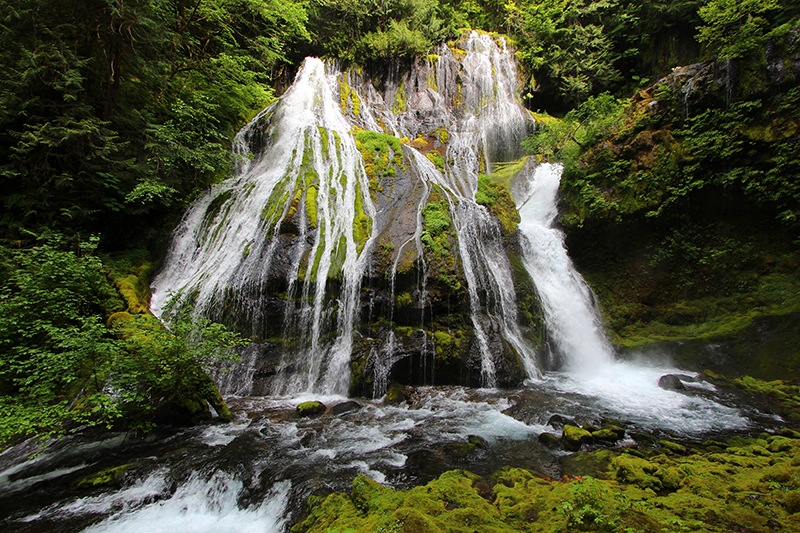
[(345, 408), (549, 440), (312, 408), (573, 437), (558, 421), (671, 382)]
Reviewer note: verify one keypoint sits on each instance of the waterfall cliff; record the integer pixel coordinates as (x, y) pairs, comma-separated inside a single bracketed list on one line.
[(368, 234)]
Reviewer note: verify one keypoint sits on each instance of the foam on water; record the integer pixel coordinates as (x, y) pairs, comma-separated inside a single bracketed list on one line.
[(202, 506), (631, 392)]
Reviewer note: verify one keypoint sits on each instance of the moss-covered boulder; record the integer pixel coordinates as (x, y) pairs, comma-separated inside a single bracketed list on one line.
[(312, 408), (574, 437), (549, 440), (396, 394), (103, 478)]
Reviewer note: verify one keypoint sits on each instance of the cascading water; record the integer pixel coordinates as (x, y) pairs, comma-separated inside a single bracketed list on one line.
[(573, 322), (281, 250), (225, 252)]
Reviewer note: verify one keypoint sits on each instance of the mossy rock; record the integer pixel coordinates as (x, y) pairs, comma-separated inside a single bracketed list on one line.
[(673, 447), (603, 490), (396, 394), (549, 440), (614, 426), (103, 478), (312, 408), (605, 435), (573, 437), (636, 471)]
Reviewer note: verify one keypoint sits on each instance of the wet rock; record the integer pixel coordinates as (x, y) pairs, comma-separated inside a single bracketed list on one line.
[(558, 421), (671, 382), (790, 433), (103, 478), (549, 440), (614, 426), (312, 408), (395, 395), (573, 437), (345, 407), (478, 442), (643, 438), (605, 435)]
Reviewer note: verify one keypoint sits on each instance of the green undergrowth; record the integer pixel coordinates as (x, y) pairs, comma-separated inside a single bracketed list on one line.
[(499, 201), (634, 324), (745, 484), (785, 394)]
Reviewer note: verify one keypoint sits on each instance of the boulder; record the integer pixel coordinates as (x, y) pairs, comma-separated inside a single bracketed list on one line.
[(312, 408), (345, 407), (549, 440), (671, 382), (558, 421), (573, 437)]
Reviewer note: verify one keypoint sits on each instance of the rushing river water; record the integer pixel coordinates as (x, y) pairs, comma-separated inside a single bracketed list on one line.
[(256, 473)]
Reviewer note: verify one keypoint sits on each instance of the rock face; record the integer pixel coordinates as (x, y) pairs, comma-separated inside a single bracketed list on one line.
[(361, 243)]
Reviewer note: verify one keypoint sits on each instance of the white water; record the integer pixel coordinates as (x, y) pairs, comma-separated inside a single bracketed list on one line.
[(576, 334), (572, 321), (233, 248), (198, 506), (225, 259)]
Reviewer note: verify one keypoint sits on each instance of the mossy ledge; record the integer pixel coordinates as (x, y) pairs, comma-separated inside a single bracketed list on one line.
[(714, 487)]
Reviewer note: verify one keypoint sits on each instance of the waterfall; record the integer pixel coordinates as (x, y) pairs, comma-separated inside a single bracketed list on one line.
[(571, 317), (328, 174)]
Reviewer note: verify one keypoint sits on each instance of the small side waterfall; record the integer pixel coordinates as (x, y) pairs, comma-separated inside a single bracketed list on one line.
[(572, 319)]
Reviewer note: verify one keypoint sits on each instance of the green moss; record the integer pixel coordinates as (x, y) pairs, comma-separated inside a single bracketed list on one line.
[(311, 205), (395, 394), (344, 92), (133, 284), (103, 478), (499, 201), (437, 159), (362, 223), (376, 149), (312, 408), (636, 471), (356, 103), (574, 437), (399, 104), (403, 299), (447, 346), (323, 139), (436, 218), (216, 204)]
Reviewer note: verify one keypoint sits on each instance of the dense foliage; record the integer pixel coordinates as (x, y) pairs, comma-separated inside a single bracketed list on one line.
[(59, 361), (111, 111), (698, 172)]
